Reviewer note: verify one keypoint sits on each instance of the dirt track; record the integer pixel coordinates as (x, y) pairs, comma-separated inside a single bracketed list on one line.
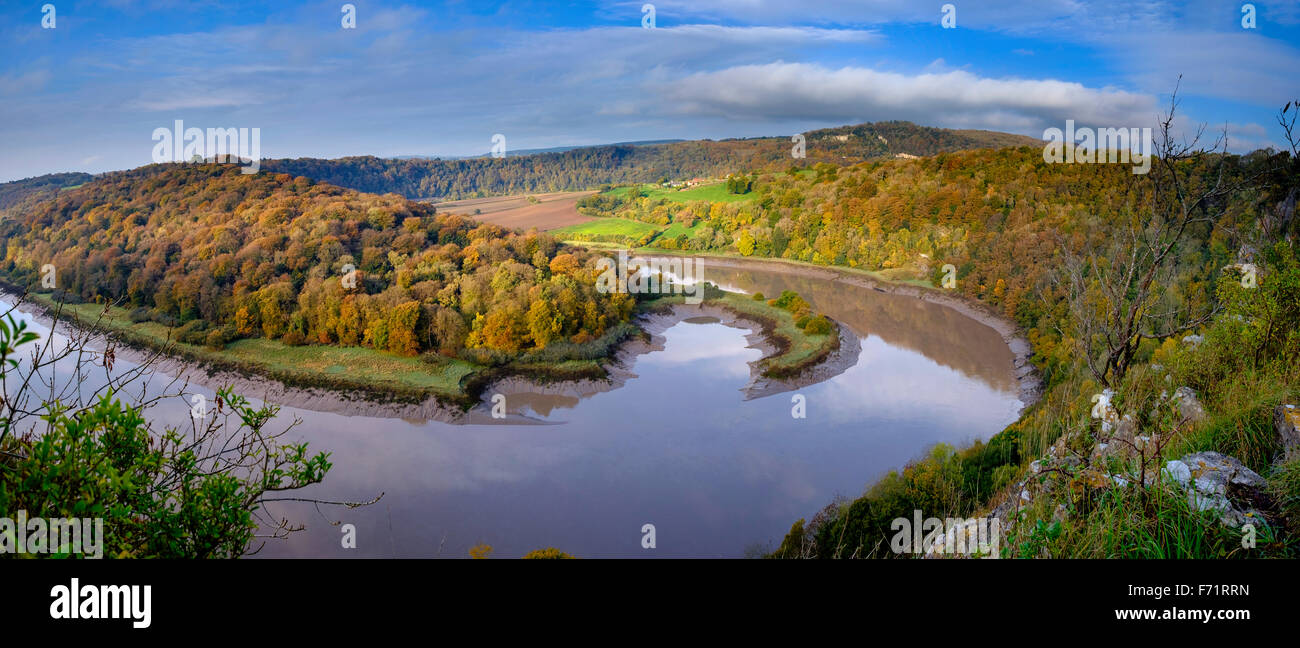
[(553, 210)]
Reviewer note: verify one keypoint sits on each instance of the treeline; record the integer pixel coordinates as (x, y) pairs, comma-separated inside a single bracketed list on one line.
[(38, 188), (994, 215), (587, 168), (223, 256)]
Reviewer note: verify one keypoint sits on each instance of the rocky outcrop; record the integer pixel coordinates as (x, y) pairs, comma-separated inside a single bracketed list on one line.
[(1221, 484)]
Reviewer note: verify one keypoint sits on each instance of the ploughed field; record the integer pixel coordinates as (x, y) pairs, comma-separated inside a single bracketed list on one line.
[(545, 211)]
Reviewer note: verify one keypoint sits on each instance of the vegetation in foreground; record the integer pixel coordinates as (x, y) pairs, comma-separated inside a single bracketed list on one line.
[(1167, 334), (173, 493)]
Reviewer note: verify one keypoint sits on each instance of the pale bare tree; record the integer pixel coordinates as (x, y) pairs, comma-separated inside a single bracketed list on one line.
[(1123, 289)]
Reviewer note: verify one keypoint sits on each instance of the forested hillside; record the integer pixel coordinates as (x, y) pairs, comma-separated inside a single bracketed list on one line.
[(995, 215), (587, 168), (38, 188), (1174, 297), (225, 256)]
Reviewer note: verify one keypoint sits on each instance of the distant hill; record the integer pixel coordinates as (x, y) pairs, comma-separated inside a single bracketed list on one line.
[(553, 149), (589, 167), (38, 188)]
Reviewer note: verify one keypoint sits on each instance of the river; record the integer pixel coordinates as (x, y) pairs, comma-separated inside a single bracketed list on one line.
[(677, 447)]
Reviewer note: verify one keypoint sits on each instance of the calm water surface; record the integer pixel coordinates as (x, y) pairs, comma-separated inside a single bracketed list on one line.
[(677, 446)]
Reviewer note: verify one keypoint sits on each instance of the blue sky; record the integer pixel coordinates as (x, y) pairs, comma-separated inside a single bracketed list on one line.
[(440, 78)]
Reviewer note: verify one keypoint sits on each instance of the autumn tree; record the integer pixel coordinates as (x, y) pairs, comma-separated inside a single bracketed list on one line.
[(1124, 290)]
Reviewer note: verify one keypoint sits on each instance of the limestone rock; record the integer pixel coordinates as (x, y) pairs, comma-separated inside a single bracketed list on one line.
[(1188, 406), (1222, 484)]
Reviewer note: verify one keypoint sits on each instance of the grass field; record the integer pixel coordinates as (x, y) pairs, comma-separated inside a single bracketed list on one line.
[(609, 227), (716, 192), (677, 229)]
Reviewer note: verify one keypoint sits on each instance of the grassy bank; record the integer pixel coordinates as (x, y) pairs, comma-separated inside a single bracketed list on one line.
[(385, 377), (380, 376), (795, 348)]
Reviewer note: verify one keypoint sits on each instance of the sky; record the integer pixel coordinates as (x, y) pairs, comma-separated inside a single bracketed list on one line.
[(442, 78)]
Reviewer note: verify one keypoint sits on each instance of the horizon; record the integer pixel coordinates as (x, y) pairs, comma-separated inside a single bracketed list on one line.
[(442, 79)]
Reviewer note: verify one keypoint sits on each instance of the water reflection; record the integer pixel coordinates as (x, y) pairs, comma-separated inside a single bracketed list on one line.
[(676, 447), (939, 333)]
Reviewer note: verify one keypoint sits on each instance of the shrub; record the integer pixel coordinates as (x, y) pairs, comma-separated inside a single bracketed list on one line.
[(67, 297), (216, 340), (549, 553), (818, 326), (166, 319), (193, 332), (159, 492), (485, 357)]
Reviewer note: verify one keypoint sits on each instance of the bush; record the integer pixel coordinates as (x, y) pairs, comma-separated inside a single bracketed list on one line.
[(166, 319), (66, 297), (817, 326), (549, 553), (193, 332), (216, 340), (485, 357), (159, 493), (138, 315)]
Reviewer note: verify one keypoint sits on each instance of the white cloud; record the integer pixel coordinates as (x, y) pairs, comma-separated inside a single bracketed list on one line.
[(1148, 42), (196, 98), (14, 84), (408, 81), (801, 91)]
